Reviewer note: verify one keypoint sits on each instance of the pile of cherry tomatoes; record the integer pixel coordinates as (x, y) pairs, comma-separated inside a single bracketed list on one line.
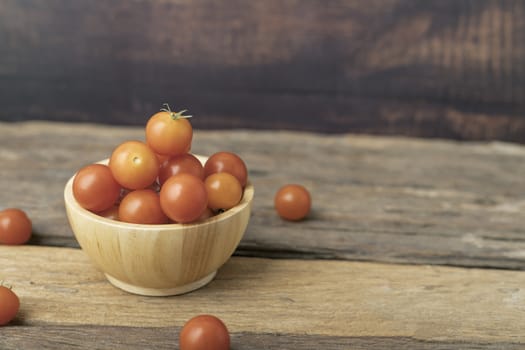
[(159, 181), (15, 226)]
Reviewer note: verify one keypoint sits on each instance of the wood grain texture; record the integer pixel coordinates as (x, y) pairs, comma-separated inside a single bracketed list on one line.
[(55, 337), (278, 302), (374, 198), (435, 68)]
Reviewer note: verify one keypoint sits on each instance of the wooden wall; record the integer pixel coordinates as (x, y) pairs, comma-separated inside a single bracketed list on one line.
[(434, 68)]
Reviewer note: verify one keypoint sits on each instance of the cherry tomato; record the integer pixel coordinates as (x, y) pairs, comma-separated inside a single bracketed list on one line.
[(95, 188), (227, 162), (183, 198), (293, 202), (15, 227), (9, 305), (204, 332), (142, 207), (134, 165), (184, 163), (224, 191), (169, 133)]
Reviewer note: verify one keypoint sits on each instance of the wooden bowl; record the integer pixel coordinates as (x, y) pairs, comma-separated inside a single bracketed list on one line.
[(158, 260)]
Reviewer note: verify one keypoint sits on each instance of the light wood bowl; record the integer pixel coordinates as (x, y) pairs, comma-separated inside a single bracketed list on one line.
[(158, 260)]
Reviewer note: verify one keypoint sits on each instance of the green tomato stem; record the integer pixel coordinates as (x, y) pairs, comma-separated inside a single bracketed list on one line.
[(174, 115)]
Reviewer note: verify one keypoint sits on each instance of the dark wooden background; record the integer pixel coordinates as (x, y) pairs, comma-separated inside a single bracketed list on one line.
[(441, 68)]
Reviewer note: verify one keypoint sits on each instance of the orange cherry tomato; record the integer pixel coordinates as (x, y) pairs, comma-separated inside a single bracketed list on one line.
[(183, 198), (292, 202), (204, 332), (134, 165), (183, 163), (9, 305), (95, 188), (224, 191), (169, 133), (142, 207), (15, 227), (227, 162)]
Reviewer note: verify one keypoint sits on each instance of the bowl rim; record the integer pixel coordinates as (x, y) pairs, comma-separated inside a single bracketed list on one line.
[(70, 200)]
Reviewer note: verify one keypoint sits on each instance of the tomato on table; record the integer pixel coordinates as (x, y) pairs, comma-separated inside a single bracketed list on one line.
[(15, 227), (9, 305), (204, 332), (293, 202)]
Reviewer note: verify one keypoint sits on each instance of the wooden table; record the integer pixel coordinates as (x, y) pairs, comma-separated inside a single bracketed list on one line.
[(412, 244)]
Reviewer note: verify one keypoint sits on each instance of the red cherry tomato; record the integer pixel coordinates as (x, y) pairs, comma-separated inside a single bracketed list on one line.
[(224, 191), (169, 133), (95, 188), (204, 332), (9, 305), (229, 163), (293, 202), (15, 227), (142, 207), (134, 165), (183, 198), (184, 163)]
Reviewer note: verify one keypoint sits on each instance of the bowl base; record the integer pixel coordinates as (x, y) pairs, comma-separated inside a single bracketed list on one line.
[(160, 292)]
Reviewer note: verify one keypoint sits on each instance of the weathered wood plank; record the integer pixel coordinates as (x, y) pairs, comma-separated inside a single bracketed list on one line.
[(433, 68), (53, 337), (375, 198), (262, 300)]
